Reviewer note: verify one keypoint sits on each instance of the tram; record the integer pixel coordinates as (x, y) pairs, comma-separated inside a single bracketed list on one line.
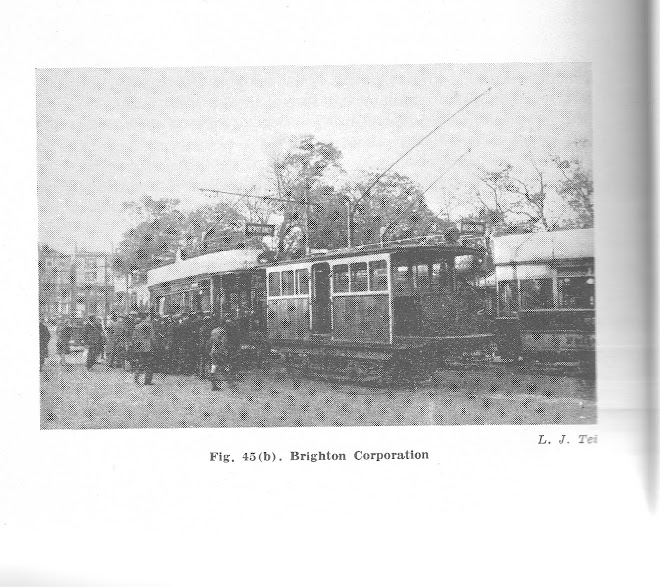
[(546, 295), (220, 283), (374, 314)]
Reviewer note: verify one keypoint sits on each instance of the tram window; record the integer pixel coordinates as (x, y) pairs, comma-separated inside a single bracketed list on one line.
[(422, 276), (340, 278), (177, 303), (302, 281), (577, 292), (205, 300), (274, 284), (401, 279), (440, 274), (507, 294), (535, 294), (288, 288), (378, 275), (359, 277)]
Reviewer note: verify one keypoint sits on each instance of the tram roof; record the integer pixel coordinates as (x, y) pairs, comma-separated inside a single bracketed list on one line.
[(450, 250), (211, 263), (544, 246)]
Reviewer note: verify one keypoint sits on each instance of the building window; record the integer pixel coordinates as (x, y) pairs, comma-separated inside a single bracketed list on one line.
[(274, 284), (302, 281), (378, 275), (340, 278), (359, 277)]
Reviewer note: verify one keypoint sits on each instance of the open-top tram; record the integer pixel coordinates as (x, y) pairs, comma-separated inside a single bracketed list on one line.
[(374, 315)]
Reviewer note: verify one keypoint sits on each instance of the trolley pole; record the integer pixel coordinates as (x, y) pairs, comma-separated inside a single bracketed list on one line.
[(349, 224), (306, 224), (105, 290), (73, 276)]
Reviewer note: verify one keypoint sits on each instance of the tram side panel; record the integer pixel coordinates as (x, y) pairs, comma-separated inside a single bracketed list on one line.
[(363, 318), (288, 319)]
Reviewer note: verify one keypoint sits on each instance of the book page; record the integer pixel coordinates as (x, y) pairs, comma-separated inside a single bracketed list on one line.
[(353, 293)]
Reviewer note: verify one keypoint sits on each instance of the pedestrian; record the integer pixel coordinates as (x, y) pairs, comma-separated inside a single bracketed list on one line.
[(205, 330), (183, 345), (93, 340), (121, 341), (169, 345), (195, 346), (131, 321), (112, 332), (144, 348), (233, 345), (63, 338), (44, 339), (218, 351)]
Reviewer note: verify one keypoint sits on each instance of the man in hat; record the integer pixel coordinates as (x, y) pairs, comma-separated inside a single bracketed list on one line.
[(219, 347), (44, 339), (112, 331), (207, 326), (93, 340), (144, 348)]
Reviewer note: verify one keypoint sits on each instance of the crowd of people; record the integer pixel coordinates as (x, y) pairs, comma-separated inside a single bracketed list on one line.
[(187, 344)]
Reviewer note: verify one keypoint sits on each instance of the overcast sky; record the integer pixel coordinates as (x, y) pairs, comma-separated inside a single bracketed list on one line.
[(105, 136)]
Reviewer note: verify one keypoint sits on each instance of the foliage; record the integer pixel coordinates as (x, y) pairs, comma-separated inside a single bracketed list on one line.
[(301, 177), (394, 206), (162, 228), (310, 172), (577, 187), (552, 196)]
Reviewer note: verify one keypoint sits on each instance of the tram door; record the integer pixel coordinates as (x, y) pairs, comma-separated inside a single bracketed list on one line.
[(321, 298)]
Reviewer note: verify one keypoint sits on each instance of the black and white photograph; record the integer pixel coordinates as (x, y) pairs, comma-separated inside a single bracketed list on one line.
[(329, 294), (361, 245)]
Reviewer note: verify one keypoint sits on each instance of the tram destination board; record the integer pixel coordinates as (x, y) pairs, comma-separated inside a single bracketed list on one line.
[(255, 229)]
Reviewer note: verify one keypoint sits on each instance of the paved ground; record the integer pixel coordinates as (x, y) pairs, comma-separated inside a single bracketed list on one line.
[(73, 398)]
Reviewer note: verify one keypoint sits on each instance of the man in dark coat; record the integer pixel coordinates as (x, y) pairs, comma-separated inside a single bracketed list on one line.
[(233, 345), (180, 350), (195, 347), (144, 348), (93, 340), (112, 331), (170, 346), (207, 326), (44, 339), (219, 347)]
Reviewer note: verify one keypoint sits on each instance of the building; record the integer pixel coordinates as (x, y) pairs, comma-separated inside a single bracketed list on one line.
[(131, 292), (75, 285)]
